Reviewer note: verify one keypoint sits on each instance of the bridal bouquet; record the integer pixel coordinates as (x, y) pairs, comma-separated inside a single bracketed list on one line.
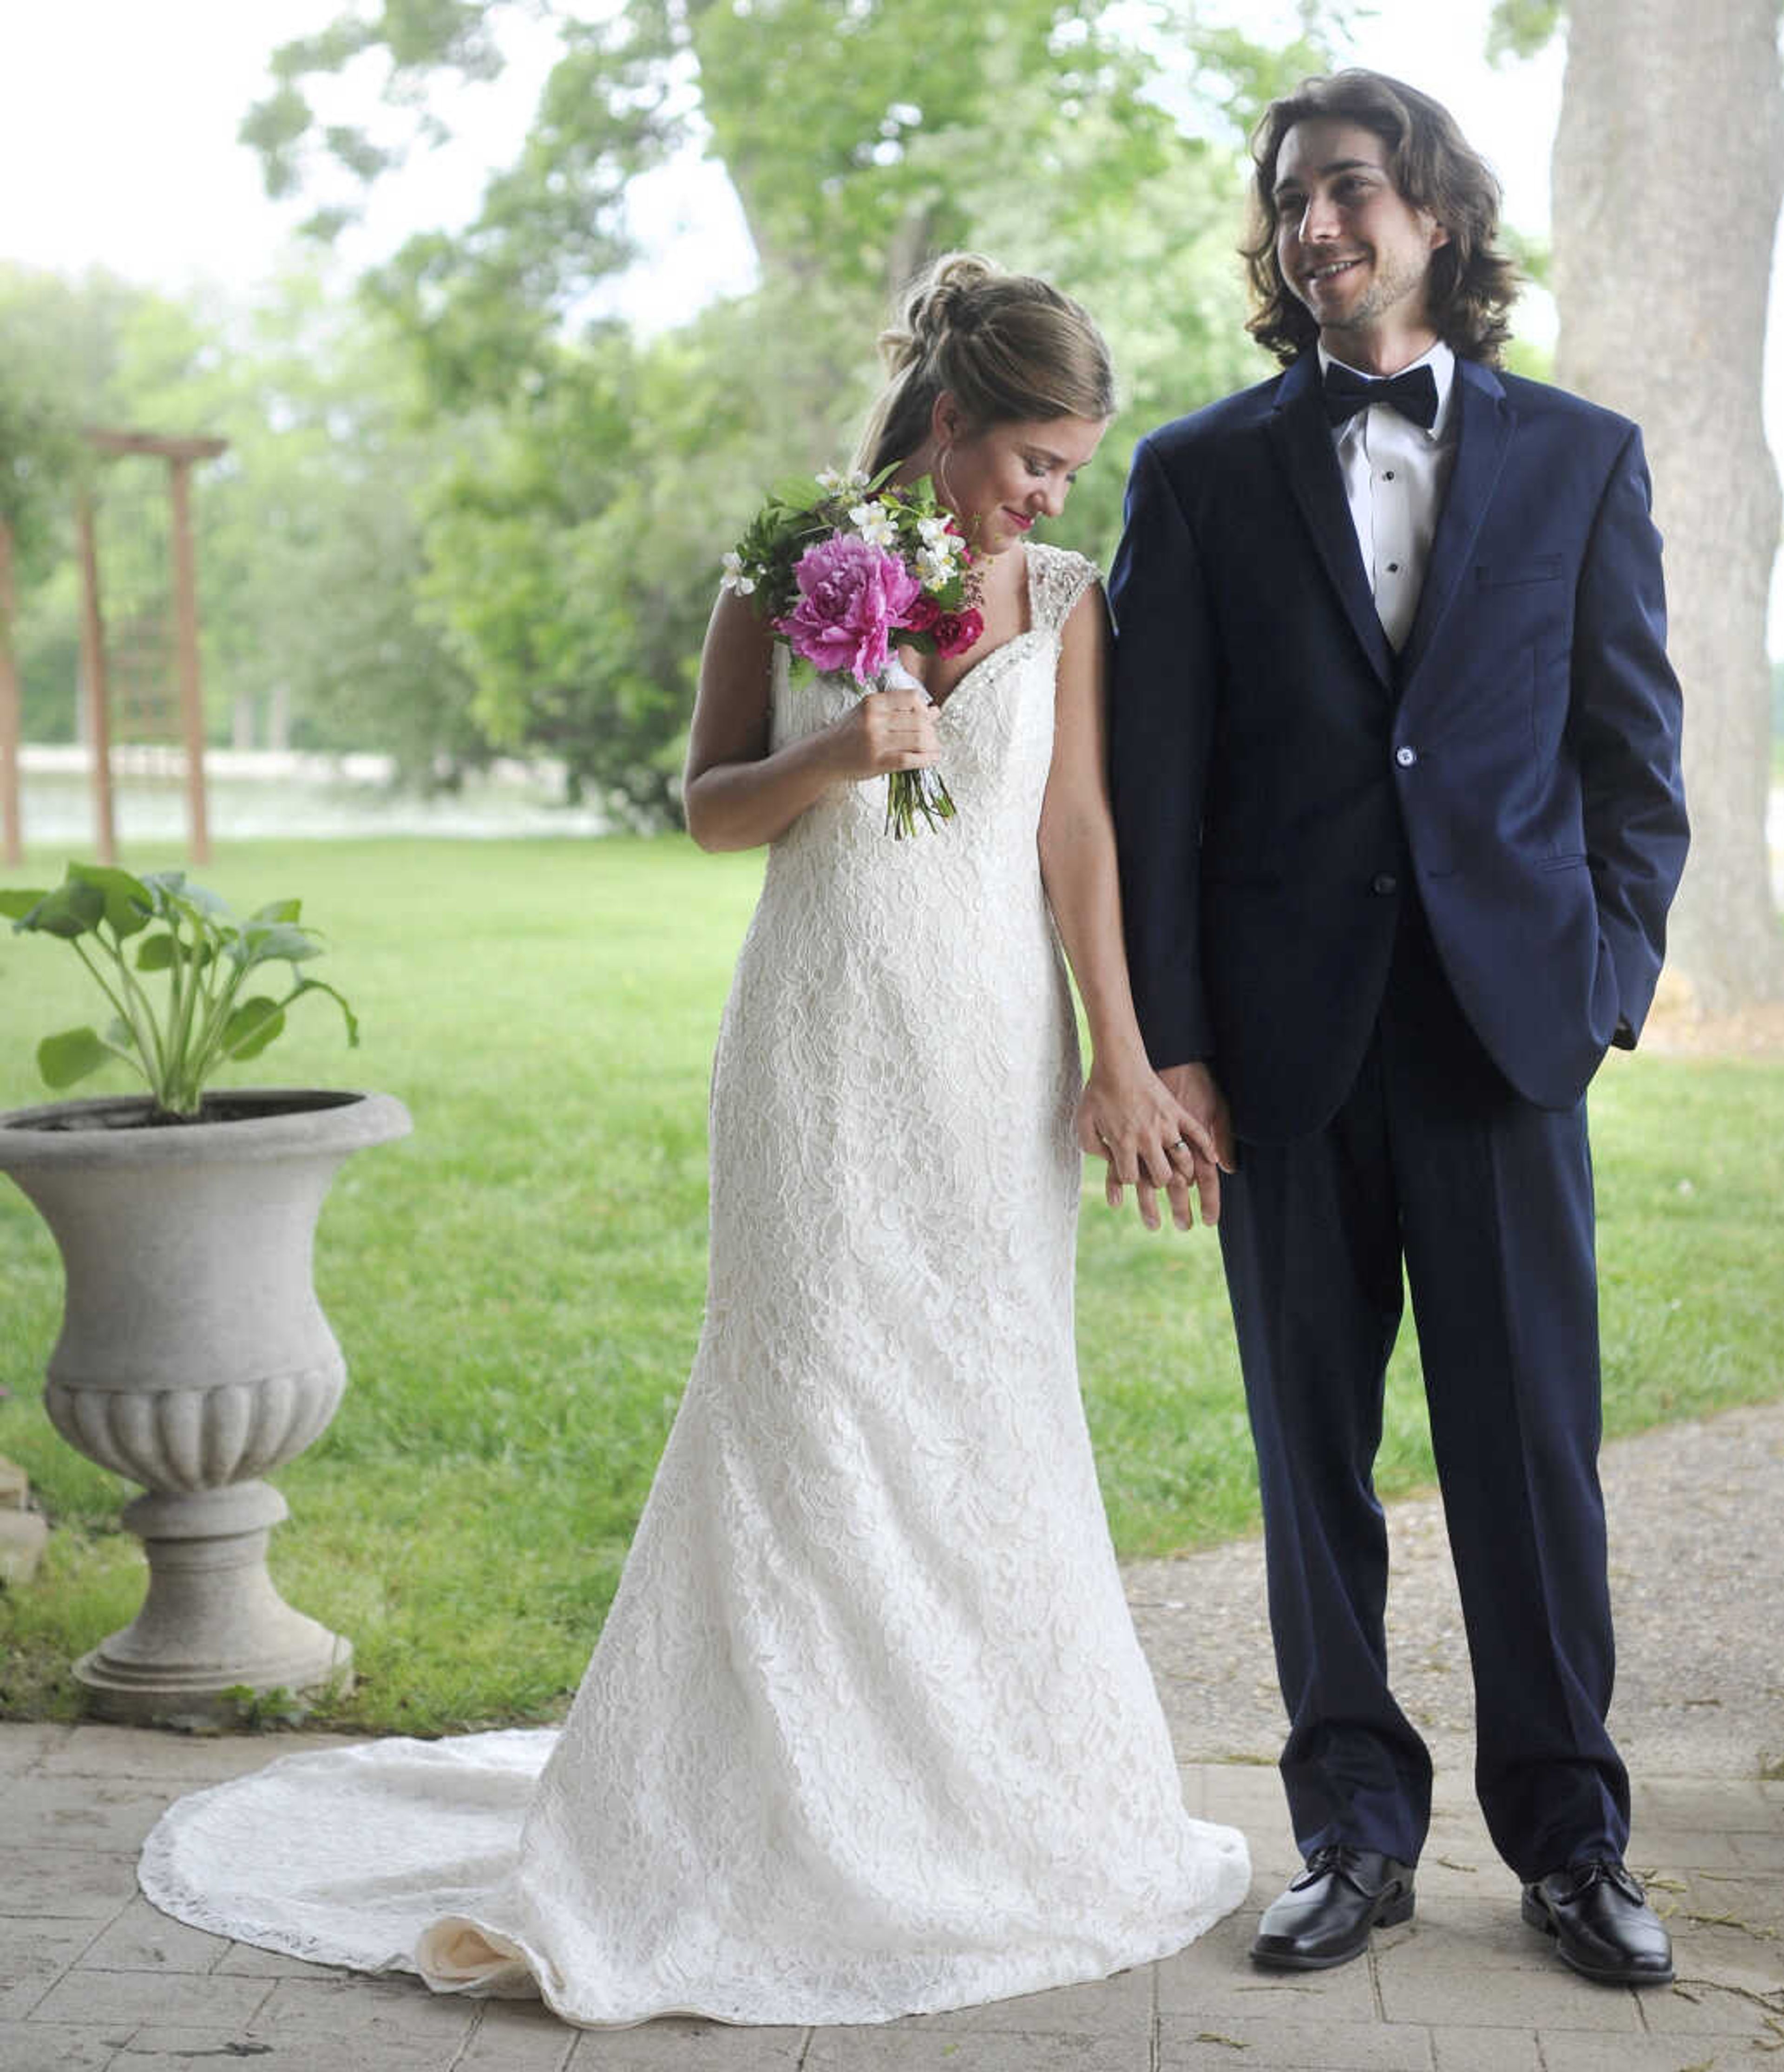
[(843, 567)]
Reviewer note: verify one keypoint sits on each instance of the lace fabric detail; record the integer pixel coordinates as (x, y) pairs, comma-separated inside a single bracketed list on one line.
[(868, 1732)]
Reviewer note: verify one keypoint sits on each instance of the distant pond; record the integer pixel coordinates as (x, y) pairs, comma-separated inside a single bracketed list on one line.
[(270, 794)]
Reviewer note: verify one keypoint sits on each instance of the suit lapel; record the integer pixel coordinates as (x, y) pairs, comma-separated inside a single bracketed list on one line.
[(1303, 440), (1484, 423)]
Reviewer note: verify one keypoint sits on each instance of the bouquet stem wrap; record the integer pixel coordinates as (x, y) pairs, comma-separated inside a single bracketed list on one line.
[(911, 795)]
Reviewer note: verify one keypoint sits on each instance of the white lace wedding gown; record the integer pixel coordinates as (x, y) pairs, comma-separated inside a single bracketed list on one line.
[(868, 1732)]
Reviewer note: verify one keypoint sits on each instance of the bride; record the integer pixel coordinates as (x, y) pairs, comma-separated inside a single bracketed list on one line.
[(868, 1732)]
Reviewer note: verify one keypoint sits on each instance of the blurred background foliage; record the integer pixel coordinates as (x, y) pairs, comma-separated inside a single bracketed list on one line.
[(469, 510)]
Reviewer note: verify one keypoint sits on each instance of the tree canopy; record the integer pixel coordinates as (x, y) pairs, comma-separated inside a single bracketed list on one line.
[(471, 508), (309, 537), (571, 549)]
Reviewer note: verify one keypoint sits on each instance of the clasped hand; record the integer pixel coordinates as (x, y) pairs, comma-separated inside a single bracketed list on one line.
[(1166, 1134)]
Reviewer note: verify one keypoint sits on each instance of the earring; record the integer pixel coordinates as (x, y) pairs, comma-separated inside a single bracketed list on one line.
[(941, 477)]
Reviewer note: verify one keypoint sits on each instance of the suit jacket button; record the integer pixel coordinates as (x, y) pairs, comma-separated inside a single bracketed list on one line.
[(1383, 882), (1405, 756)]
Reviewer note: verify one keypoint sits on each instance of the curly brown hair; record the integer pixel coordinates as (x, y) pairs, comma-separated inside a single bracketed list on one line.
[(1472, 282)]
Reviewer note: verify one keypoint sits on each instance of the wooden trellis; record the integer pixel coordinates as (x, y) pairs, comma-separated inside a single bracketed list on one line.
[(9, 705), (179, 453)]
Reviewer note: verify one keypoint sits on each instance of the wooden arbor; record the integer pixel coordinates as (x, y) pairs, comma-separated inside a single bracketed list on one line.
[(10, 834), (179, 455)]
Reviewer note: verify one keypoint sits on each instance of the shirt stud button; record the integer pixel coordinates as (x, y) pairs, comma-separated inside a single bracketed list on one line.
[(1405, 756), (1383, 882), (1394, 568)]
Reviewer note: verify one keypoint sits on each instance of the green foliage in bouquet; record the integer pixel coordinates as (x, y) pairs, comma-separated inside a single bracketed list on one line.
[(846, 570), (797, 513), (802, 511)]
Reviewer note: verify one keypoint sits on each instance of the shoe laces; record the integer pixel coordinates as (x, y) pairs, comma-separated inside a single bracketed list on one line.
[(1606, 1870), (1332, 1857)]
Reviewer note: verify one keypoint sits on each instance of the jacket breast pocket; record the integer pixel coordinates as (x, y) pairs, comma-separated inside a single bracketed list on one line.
[(1504, 575)]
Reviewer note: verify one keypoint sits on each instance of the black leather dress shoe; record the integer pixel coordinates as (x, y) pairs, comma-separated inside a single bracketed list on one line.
[(1324, 1917), (1602, 1924)]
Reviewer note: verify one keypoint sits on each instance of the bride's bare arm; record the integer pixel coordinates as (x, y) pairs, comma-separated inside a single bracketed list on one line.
[(1128, 1115), (737, 794)]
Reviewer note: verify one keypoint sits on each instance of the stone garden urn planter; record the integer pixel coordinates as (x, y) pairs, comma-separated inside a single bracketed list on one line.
[(194, 1358)]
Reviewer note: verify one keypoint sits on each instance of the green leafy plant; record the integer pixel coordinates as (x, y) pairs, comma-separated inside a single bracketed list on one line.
[(264, 1712), (191, 938)]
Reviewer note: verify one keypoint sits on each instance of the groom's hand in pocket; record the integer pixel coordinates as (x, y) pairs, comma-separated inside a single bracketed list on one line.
[(1209, 1151)]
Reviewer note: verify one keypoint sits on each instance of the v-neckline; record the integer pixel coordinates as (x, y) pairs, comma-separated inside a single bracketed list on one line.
[(1003, 647)]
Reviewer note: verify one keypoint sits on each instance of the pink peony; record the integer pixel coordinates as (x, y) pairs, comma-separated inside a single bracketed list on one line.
[(851, 596), (955, 631)]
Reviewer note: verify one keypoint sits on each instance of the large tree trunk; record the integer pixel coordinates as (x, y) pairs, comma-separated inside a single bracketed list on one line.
[(1669, 163)]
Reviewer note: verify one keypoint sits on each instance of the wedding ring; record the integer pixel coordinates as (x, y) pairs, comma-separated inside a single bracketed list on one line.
[(1182, 1144)]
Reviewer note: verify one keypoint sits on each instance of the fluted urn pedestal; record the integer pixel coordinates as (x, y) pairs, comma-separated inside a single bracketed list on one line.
[(194, 1358)]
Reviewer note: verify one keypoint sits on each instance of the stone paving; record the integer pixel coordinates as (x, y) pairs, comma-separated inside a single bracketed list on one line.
[(91, 1977), (93, 1980)]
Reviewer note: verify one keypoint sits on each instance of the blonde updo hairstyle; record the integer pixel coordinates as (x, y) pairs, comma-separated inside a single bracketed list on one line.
[(1009, 347)]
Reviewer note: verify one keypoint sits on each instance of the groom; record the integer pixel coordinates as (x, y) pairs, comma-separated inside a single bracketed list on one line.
[(1395, 765)]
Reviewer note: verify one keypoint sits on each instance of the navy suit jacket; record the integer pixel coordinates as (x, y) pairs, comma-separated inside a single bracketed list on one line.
[(1280, 774)]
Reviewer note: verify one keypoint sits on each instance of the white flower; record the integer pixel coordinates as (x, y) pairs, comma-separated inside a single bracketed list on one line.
[(829, 478), (935, 568), (735, 577), (933, 531), (874, 522)]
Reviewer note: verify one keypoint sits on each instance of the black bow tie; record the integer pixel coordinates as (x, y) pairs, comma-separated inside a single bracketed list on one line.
[(1414, 394)]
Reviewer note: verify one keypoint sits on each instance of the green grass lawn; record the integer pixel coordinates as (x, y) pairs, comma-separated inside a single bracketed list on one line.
[(518, 1286)]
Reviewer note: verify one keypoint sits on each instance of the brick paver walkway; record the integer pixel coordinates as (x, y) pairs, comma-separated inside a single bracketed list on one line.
[(93, 1980)]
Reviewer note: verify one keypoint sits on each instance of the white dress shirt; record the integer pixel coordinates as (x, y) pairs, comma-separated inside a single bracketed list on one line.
[(1395, 474)]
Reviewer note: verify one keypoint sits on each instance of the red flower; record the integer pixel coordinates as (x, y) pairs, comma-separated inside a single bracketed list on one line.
[(922, 616), (955, 631)]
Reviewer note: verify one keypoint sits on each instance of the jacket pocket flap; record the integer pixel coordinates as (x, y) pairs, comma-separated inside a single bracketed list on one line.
[(1501, 575)]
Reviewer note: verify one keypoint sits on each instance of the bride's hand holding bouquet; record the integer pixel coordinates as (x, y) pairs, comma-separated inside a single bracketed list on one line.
[(889, 733), (845, 570)]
